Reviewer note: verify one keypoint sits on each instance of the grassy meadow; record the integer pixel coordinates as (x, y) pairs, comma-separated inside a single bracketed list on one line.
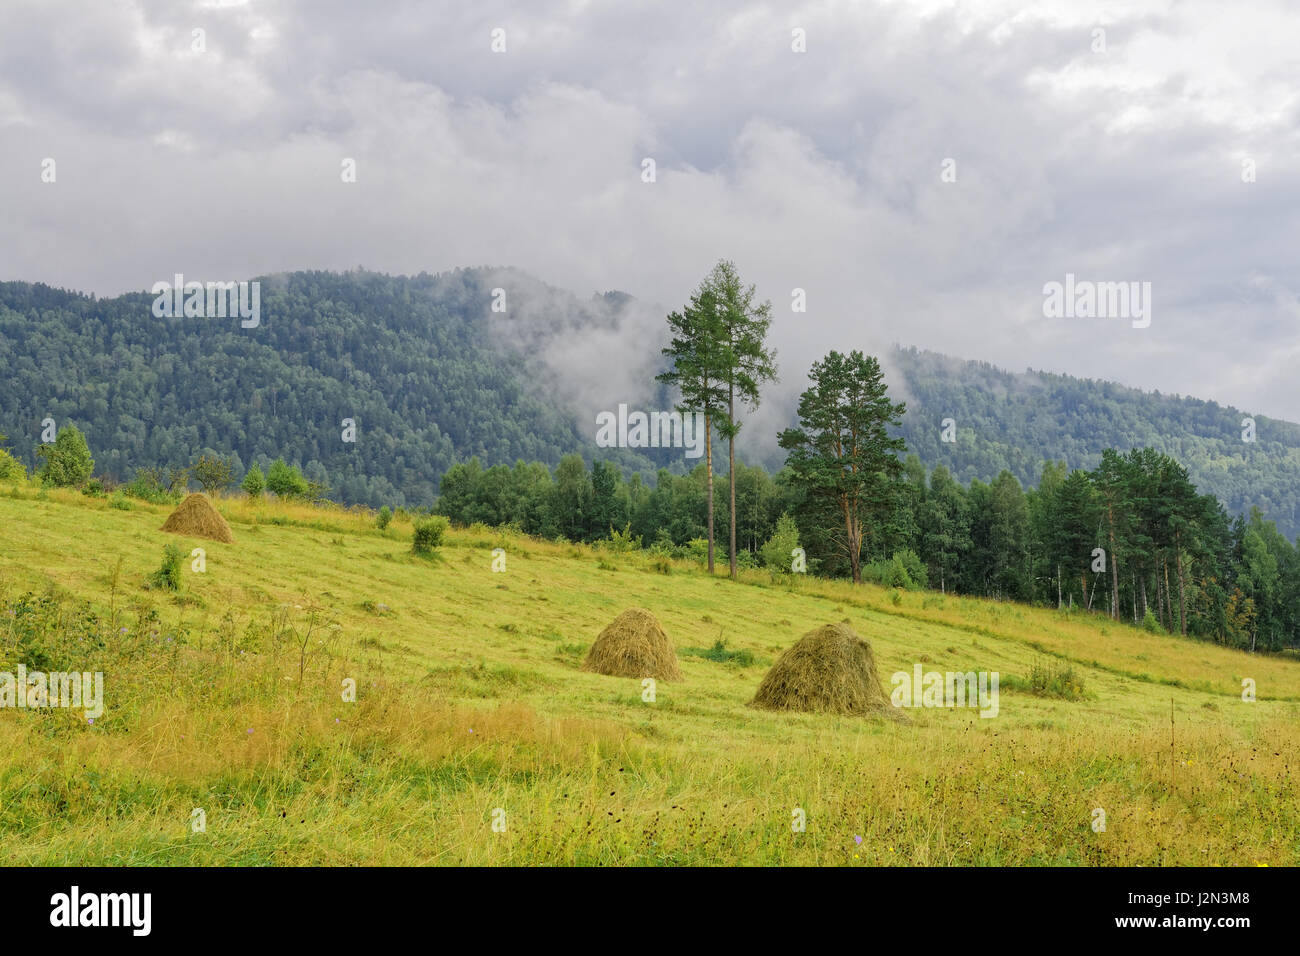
[(226, 697)]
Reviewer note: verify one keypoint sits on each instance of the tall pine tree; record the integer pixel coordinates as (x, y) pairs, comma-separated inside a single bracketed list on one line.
[(746, 361), (699, 370), (842, 451)]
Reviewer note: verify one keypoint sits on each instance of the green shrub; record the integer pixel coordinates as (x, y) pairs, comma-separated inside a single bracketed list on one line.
[(286, 481), (254, 482), (777, 551), (721, 655), (10, 467), (95, 489), (67, 461), (317, 491), (890, 574), (1047, 679), (428, 534), (697, 549), (663, 544), (384, 517), (169, 575), (147, 486), (1151, 623), (621, 542), (914, 567), (904, 570)]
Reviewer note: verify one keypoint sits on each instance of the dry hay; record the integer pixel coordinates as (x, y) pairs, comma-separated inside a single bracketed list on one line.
[(830, 670), (634, 645), (197, 518)]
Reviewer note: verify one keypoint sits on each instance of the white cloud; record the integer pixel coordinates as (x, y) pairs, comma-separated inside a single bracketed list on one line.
[(818, 170)]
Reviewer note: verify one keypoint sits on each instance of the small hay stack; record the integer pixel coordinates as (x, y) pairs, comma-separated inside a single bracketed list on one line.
[(197, 518), (634, 644), (830, 670)]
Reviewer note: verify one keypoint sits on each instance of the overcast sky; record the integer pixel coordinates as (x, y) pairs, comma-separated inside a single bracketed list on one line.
[(1114, 156)]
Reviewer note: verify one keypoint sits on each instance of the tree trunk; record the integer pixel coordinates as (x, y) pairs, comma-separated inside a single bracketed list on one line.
[(853, 532), (708, 454), (1169, 596), (1160, 600), (731, 452), (1114, 568), (1182, 595)]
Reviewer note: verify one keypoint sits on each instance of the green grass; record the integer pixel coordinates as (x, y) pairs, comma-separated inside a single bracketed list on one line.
[(1051, 679), (470, 698), (720, 654)]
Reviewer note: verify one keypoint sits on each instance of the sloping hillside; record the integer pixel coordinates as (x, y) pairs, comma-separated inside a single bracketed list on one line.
[(226, 697)]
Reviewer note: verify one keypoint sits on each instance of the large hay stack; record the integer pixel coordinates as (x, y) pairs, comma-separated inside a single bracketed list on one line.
[(830, 670), (634, 645), (197, 518)]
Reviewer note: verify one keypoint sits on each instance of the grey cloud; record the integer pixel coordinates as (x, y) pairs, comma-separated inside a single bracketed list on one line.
[(816, 170)]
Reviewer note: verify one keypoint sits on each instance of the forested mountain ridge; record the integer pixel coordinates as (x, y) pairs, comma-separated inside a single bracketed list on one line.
[(432, 377), (410, 360), (1017, 421)]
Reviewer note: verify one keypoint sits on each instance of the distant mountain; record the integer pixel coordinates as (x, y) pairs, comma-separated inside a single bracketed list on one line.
[(1017, 421), (432, 374), (413, 361)]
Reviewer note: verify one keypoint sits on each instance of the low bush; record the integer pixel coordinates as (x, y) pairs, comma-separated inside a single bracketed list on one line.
[(169, 575), (428, 534)]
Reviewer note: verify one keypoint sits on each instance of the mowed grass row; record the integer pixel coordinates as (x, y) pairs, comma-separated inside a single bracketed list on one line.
[(470, 701)]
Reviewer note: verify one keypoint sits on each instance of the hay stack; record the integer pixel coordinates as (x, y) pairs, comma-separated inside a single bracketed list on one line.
[(634, 645), (197, 518), (831, 670)]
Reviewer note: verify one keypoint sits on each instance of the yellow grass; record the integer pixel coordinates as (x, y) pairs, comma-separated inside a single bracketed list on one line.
[(471, 700)]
